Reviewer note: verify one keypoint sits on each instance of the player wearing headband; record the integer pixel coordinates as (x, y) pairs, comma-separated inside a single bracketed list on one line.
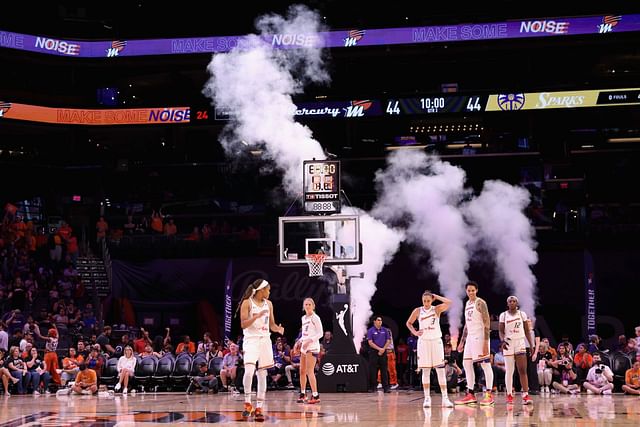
[(256, 320), (514, 330)]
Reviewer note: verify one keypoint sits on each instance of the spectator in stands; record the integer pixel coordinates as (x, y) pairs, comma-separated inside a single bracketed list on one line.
[(582, 362), (4, 338), (621, 344), (206, 345), (102, 227), (170, 228), (564, 377), (104, 339), (204, 380), (126, 369), (277, 371), (499, 367), (38, 370), (95, 361), (70, 366), (229, 367), (186, 345), (140, 343), (129, 226), (326, 341), (73, 250), (599, 378), (294, 365), (594, 344), (87, 381), (544, 367), (630, 348), (194, 235), (82, 350), (5, 374), (156, 222), (18, 369), (402, 350), (124, 341), (637, 338), (632, 379)]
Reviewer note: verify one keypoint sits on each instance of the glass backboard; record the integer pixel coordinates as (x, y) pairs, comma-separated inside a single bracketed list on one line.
[(336, 236)]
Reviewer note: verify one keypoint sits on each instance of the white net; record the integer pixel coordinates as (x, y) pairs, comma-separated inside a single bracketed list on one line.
[(315, 261)]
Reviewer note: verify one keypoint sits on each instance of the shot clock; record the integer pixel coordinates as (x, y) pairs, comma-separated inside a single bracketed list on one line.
[(321, 181)]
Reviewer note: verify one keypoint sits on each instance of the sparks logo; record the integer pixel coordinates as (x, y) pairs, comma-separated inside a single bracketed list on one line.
[(353, 37), (4, 107), (357, 108), (608, 22), (116, 47), (511, 101)]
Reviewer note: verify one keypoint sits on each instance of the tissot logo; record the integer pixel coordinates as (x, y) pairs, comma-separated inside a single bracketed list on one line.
[(329, 369), (353, 37), (511, 101), (117, 46), (4, 107), (608, 23)]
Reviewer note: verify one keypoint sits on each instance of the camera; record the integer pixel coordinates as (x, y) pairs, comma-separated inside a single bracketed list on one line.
[(599, 369)]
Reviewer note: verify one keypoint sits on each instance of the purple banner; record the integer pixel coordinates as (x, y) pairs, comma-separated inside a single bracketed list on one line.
[(600, 24), (589, 295), (228, 310)]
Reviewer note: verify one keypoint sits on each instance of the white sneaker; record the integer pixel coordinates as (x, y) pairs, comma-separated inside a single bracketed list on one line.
[(36, 393), (446, 403), (379, 386), (133, 391), (589, 391), (117, 387), (427, 402), (607, 392), (393, 387), (124, 391), (47, 392)]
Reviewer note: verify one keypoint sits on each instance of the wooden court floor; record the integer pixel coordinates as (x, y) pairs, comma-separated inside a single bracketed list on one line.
[(398, 408)]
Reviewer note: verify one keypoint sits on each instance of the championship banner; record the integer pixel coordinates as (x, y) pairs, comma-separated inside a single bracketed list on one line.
[(517, 101), (589, 294), (228, 312), (77, 116)]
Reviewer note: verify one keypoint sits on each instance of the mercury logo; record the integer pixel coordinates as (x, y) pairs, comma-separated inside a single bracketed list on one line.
[(353, 37), (117, 46), (608, 22)]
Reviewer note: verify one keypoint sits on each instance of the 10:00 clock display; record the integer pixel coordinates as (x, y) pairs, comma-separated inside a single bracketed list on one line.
[(436, 104)]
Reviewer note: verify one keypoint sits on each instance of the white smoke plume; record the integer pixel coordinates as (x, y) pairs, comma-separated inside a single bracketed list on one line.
[(500, 225), (424, 193), (255, 83), (379, 244)]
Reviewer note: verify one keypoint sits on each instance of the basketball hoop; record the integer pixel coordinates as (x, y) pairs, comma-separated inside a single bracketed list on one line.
[(315, 261)]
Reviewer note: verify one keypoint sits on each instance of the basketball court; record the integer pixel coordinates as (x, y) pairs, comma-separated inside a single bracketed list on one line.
[(401, 408)]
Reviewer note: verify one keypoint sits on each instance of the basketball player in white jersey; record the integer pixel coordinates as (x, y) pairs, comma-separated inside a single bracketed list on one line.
[(430, 346), (256, 320), (475, 342), (311, 334), (514, 330)]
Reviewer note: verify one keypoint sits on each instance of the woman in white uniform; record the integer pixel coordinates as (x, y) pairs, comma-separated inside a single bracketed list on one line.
[(430, 346), (256, 320), (310, 339)]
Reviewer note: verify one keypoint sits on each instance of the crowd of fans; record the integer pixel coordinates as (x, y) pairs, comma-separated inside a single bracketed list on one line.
[(50, 337)]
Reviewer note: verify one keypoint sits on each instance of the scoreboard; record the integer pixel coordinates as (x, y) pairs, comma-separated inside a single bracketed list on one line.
[(321, 182), (436, 104)]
